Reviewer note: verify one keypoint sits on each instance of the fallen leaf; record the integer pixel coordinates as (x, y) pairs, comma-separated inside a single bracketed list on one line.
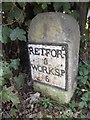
[(34, 97)]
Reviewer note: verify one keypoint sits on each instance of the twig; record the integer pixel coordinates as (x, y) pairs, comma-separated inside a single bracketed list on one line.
[(7, 114), (13, 20), (84, 62), (8, 23)]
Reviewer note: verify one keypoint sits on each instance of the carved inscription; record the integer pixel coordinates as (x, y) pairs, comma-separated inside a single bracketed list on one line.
[(48, 64)]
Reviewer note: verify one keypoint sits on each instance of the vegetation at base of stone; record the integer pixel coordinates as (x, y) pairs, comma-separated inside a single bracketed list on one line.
[(11, 84), (81, 99), (84, 85), (16, 17), (46, 102)]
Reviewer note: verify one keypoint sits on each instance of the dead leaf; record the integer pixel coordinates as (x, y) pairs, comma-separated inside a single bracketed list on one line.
[(34, 97)]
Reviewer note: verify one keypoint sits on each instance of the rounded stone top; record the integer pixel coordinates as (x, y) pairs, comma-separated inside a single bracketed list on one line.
[(53, 27)]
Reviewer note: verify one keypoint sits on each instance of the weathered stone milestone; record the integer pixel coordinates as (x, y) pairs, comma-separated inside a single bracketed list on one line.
[(53, 51)]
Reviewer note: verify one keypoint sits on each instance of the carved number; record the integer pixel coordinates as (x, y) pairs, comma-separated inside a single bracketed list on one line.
[(45, 61), (47, 79)]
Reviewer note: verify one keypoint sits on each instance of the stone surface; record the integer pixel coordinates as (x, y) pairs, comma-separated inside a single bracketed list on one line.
[(47, 35)]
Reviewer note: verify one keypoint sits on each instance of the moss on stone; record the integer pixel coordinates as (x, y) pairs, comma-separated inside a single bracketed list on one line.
[(58, 95), (37, 32)]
